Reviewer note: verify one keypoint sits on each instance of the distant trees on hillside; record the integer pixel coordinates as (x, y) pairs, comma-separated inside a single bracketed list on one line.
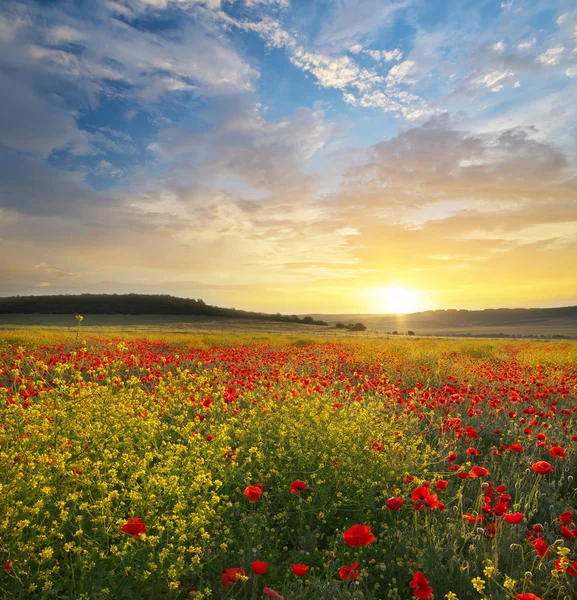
[(351, 326), (134, 304)]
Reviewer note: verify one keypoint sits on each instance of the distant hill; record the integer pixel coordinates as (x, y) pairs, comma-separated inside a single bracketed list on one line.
[(559, 322), (134, 304)]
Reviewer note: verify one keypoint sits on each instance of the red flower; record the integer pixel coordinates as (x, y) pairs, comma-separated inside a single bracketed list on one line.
[(134, 526), (566, 518), (300, 570), (298, 486), (472, 519), (350, 572), (272, 594), (422, 498), (7, 566), (472, 452), (441, 484), (394, 503), (516, 448), (358, 535), (231, 576), (541, 547), (463, 475), (542, 467), (527, 596), (570, 569), (253, 492), (558, 452), (421, 587), (567, 533), (452, 456), (259, 567), (514, 518), (478, 472)]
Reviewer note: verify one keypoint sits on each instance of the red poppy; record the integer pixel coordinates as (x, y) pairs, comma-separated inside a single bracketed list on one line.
[(358, 535), (231, 576), (463, 475), (298, 486), (472, 519), (558, 452), (478, 472), (541, 547), (421, 588), (253, 492), (350, 572), (514, 518), (7, 566), (527, 596), (272, 594), (516, 448), (134, 526), (300, 570), (441, 484), (567, 533), (542, 467), (422, 498), (570, 569), (394, 503), (472, 452), (452, 456), (259, 567), (566, 518)]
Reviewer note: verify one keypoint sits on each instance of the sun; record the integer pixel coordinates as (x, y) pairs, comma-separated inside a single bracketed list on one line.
[(399, 300)]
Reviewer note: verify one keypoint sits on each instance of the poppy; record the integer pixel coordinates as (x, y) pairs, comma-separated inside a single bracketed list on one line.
[(542, 467), (231, 576), (541, 547), (349, 572), (472, 519), (7, 567), (358, 535), (516, 448), (514, 518), (272, 594), (441, 484), (478, 472), (134, 526), (421, 588), (567, 533), (298, 486), (472, 452), (299, 570), (558, 452), (568, 566), (259, 567), (253, 492), (566, 518), (527, 596), (394, 503), (422, 498)]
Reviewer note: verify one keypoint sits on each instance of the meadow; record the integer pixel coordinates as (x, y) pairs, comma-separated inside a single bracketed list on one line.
[(254, 466)]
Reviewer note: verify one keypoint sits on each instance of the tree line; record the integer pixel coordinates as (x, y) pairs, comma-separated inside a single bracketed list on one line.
[(134, 304)]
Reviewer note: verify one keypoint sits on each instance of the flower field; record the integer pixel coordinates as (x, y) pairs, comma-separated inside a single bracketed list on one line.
[(251, 468)]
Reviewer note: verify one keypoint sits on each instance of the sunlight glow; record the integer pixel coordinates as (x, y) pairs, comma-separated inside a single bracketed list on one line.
[(398, 300)]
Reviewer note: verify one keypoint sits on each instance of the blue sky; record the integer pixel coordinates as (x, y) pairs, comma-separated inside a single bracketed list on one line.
[(293, 155)]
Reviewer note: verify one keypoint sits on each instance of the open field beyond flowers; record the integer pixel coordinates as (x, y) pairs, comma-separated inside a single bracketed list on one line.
[(255, 467)]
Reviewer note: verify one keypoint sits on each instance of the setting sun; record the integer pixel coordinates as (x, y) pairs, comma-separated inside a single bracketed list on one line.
[(398, 300)]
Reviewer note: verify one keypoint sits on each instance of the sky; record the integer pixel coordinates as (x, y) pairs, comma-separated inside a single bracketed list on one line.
[(299, 156)]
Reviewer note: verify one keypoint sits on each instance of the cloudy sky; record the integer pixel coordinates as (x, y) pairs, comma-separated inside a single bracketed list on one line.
[(291, 155)]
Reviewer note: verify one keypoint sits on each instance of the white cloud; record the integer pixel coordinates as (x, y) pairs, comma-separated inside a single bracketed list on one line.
[(552, 56), (525, 45), (400, 72), (63, 34), (495, 80), (386, 55)]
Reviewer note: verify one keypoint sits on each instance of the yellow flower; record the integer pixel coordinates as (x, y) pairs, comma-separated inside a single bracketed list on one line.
[(451, 596), (478, 584), (509, 583)]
